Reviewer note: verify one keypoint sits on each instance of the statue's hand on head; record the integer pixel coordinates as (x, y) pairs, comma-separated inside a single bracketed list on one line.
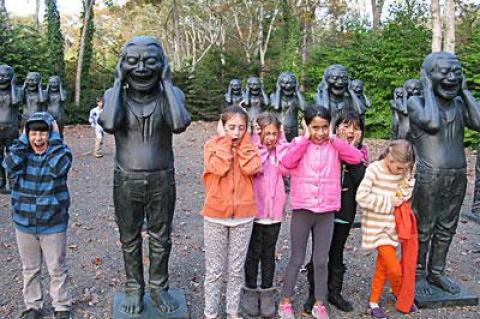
[(120, 73), (425, 80), (166, 72)]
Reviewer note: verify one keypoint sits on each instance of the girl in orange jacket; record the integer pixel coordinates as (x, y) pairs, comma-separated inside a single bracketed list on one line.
[(230, 161)]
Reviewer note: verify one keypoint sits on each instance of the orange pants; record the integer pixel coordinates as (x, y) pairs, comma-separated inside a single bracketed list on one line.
[(389, 267)]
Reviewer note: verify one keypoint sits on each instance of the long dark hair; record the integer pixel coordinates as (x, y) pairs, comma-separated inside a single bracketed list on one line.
[(231, 111), (313, 111)]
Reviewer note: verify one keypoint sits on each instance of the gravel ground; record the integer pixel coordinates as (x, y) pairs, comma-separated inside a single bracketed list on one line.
[(96, 265)]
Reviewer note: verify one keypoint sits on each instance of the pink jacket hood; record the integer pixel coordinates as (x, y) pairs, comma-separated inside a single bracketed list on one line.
[(315, 171)]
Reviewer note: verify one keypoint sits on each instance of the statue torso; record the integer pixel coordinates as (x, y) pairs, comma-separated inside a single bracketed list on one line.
[(144, 142), (289, 110), (445, 148), (255, 107), (55, 106), (8, 116), (32, 104)]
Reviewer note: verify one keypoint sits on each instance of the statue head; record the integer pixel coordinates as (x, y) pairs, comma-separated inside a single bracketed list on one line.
[(413, 87), (33, 82), (235, 87), (254, 86), (287, 83), (54, 83), (141, 63), (445, 73), (6, 76), (357, 87), (336, 78), (398, 93)]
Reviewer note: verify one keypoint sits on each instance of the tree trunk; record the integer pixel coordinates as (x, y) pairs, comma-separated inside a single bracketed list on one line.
[(37, 15), (78, 79), (436, 26), (176, 38), (377, 7), (449, 38)]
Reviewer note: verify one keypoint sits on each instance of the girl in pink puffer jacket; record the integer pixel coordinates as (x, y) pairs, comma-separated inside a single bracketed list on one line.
[(270, 197), (314, 163)]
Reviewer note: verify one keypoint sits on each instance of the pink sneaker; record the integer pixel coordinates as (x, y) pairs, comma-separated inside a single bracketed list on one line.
[(320, 312), (285, 311)]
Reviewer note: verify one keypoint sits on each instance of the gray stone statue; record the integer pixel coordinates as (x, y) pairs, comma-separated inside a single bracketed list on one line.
[(10, 97), (56, 96), (357, 87), (400, 122), (286, 101), (476, 194), (234, 95), (437, 122), (142, 110), (336, 93), (255, 101), (33, 97)]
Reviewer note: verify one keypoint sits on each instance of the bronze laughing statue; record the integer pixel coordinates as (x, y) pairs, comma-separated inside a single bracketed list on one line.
[(9, 103), (286, 101), (234, 95), (142, 110), (33, 98), (400, 122), (335, 92), (437, 122), (255, 101), (56, 96)]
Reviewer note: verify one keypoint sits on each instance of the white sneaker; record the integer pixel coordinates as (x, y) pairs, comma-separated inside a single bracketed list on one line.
[(320, 312), (285, 311)]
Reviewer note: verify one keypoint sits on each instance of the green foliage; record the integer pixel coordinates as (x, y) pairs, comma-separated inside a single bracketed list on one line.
[(382, 58), (55, 50)]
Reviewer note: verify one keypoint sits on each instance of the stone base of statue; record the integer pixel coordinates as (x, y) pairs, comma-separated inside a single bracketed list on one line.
[(440, 298), (474, 217), (149, 310)]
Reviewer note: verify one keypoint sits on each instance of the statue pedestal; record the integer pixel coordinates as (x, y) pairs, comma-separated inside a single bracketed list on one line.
[(149, 310), (440, 298), (471, 216)]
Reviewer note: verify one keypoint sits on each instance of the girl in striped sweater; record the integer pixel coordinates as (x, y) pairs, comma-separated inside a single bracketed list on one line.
[(386, 185)]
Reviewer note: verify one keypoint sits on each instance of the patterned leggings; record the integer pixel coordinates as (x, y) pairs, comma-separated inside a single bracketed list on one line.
[(225, 253)]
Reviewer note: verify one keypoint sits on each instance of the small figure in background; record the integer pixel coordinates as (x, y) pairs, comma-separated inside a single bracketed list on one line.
[(94, 114)]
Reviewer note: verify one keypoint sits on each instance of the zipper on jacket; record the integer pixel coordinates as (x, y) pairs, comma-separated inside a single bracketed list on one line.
[(233, 184)]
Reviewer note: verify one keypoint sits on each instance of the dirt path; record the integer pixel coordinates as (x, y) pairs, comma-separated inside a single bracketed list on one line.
[(96, 265)]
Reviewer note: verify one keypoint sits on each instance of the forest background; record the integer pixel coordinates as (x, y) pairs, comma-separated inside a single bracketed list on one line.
[(209, 42)]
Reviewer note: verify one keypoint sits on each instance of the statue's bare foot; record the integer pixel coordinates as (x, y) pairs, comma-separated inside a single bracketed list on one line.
[(445, 283), (422, 287), (162, 299), (133, 302)]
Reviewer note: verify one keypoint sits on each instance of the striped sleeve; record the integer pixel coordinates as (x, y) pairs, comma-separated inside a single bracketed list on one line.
[(14, 162), (367, 199), (60, 160)]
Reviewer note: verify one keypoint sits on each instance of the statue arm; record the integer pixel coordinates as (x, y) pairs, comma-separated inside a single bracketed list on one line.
[(423, 112), (177, 116), (472, 106), (357, 103), (301, 101), (112, 115)]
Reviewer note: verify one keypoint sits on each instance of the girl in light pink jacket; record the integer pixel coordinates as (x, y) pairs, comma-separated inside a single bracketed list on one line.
[(314, 163), (258, 300)]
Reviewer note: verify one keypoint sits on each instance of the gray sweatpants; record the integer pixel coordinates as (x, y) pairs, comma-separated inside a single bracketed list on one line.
[(34, 248), (321, 225), (225, 253)]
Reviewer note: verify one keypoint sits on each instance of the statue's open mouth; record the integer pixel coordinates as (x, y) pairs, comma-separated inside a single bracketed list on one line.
[(450, 87)]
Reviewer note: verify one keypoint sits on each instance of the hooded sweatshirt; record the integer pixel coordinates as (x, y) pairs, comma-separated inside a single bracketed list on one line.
[(40, 197)]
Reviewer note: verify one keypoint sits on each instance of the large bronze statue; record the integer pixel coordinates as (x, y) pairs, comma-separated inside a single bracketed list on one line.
[(476, 194), (56, 96), (286, 101), (234, 95), (256, 100), (437, 122), (335, 92), (142, 110), (33, 97), (10, 97)]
